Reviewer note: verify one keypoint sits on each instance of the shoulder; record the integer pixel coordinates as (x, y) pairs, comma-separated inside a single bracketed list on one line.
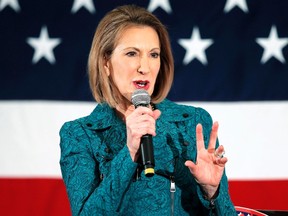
[(101, 117), (73, 128), (77, 134)]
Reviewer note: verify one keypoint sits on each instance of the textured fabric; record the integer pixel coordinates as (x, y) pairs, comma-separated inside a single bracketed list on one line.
[(99, 173)]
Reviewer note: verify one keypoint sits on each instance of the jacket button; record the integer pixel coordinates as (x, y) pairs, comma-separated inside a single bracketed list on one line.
[(186, 143), (185, 115), (89, 125)]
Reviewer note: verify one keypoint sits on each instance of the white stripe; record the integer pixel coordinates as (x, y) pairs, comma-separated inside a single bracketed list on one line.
[(253, 134), (30, 136)]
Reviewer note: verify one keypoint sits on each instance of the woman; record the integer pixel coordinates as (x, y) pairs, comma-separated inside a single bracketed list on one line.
[(100, 153)]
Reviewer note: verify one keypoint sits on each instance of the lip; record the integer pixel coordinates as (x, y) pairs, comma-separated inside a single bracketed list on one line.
[(145, 87)]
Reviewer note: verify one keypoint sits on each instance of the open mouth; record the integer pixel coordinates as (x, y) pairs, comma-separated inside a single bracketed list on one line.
[(141, 84)]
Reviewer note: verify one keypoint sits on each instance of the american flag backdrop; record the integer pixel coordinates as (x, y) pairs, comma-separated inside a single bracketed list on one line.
[(231, 58)]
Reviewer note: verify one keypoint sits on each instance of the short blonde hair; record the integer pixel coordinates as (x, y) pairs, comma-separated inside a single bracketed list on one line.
[(104, 42)]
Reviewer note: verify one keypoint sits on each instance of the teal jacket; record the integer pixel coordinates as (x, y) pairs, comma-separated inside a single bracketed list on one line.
[(101, 178)]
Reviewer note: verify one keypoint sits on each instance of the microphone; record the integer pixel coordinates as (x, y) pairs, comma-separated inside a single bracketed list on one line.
[(140, 97)]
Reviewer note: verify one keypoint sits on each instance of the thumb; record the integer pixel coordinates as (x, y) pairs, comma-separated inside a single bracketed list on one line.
[(156, 114), (129, 110), (190, 165)]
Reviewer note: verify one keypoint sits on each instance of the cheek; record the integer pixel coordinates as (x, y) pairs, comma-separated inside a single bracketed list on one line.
[(156, 69), (121, 77), (156, 64), (118, 71), (125, 67)]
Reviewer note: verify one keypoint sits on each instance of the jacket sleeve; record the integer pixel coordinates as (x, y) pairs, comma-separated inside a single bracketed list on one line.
[(222, 204), (88, 194)]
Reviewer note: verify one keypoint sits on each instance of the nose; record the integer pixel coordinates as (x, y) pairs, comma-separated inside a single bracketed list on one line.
[(144, 67)]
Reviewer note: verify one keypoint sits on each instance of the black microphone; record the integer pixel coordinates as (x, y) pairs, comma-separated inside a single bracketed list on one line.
[(140, 97)]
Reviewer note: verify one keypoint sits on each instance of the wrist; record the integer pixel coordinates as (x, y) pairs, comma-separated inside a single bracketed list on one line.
[(210, 192), (134, 154)]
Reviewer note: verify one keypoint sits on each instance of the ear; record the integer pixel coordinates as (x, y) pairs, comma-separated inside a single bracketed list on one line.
[(107, 67)]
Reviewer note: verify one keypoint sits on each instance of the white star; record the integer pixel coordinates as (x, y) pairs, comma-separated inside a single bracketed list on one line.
[(164, 4), (88, 4), (43, 46), (12, 3), (272, 46), (195, 47), (230, 4)]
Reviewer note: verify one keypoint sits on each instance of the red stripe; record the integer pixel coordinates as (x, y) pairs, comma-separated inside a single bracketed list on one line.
[(29, 197), (261, 195)]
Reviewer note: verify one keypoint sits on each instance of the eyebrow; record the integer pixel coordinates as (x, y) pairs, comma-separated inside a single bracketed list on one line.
[(134, 48)]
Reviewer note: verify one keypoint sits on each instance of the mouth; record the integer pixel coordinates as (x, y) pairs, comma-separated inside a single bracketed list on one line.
[(141, 84)]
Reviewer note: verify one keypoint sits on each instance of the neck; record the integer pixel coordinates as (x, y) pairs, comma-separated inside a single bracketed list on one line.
[(121, 110), (125, 109)]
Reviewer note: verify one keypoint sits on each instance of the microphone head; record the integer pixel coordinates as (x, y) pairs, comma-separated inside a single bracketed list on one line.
[(140, 97)]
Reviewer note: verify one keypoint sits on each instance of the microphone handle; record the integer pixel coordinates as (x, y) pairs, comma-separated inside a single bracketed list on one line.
[(147, 153)]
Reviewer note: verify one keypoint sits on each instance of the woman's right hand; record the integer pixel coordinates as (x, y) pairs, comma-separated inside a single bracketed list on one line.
[(139, 122)]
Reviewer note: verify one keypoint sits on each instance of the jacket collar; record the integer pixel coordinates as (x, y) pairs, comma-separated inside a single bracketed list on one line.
[(173, 112), (103, 116)]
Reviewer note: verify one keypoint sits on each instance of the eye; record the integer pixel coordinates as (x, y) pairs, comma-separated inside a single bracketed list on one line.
[(131, 54), (155, 55)]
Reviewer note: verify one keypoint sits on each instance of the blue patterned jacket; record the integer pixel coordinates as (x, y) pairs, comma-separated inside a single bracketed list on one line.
[(101, 178)]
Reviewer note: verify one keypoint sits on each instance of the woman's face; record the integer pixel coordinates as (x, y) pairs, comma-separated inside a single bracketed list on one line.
[(135, 61)]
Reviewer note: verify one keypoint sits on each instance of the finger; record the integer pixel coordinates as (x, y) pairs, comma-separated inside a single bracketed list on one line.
[(219, 152), (138, 118), (150, 119), (137, 133), (143, 131), (146, 128), (143, 110), (144, 119), (144, 123), (199, 137), (221, 161), (213, 136)]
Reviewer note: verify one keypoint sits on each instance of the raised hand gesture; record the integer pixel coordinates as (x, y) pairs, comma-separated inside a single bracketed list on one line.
[(210, 163)]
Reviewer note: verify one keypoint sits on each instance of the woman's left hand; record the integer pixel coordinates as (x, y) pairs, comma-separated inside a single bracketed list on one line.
[(210, 163)]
